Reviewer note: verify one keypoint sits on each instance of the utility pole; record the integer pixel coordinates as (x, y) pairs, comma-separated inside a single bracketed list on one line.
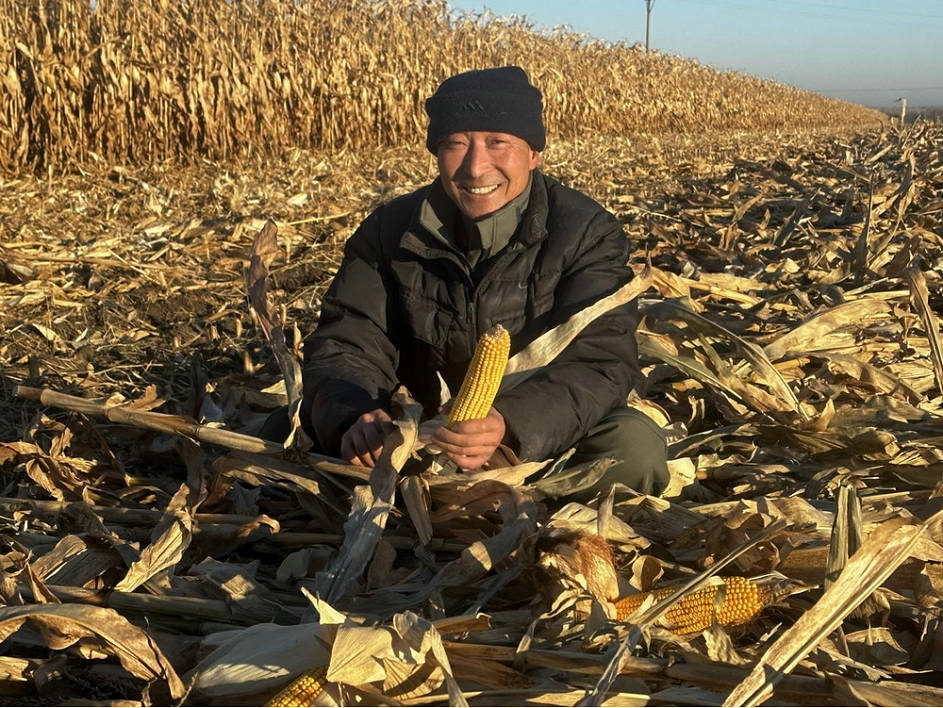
[(648, 21)]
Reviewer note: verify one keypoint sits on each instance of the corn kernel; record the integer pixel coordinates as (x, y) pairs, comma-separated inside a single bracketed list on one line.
[(302, 690), (736, 601), (483, 377)]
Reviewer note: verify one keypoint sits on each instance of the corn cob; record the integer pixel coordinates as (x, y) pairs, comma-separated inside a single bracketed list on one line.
[(736, 601), (483, 376), (303, 690)]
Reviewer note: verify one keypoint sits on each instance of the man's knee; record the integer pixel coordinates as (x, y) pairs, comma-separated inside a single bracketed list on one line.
[(278, 425), (636, 443)]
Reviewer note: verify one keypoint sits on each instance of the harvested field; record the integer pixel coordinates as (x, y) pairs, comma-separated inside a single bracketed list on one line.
[(790, 345)]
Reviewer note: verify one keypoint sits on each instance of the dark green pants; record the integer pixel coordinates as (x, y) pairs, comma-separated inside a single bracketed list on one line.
[(625, 434), (636, 443)]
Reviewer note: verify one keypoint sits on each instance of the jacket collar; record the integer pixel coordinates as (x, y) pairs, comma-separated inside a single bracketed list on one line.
[(534, 222), (475, 239), (416, 239)]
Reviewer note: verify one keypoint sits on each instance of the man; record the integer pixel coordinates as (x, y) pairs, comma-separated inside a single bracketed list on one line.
[(491, 241)]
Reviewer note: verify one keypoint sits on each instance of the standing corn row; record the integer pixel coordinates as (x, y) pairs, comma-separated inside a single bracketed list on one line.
[(483, 377), (303, 690), (735, 601)]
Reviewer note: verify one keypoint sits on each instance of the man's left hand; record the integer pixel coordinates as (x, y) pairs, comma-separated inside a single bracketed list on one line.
[(471, 443)]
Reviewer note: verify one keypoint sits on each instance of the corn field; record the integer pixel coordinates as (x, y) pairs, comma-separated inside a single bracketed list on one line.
[(132, 82)]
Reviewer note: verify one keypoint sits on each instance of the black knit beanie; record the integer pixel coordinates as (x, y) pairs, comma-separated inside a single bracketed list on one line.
[(500, 100)]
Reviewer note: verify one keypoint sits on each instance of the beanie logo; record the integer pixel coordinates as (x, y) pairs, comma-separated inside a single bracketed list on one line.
[(474, 106)]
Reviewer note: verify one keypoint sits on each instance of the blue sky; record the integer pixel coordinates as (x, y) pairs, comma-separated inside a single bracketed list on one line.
[(865, 51)]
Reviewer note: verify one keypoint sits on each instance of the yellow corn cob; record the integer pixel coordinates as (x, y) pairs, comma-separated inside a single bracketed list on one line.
[(483, 376), (303, 690), (734, 602)]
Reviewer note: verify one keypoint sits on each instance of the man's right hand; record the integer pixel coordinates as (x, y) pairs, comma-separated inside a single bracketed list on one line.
[(363, 441)]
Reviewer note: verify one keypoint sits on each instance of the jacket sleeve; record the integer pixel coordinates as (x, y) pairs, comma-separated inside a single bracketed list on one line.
[(557, 406), (350, 360)]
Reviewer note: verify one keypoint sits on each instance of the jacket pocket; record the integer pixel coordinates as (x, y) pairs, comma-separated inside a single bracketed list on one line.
[(427, 320), (427, 303)]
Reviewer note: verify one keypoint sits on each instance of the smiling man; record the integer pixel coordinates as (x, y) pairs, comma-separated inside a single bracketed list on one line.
[(492, 240)]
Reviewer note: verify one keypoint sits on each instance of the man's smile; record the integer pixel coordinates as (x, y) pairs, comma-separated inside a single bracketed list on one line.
[(481, 190)]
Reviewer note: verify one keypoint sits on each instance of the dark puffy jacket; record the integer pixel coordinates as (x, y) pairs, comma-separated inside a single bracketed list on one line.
[(404, 305)]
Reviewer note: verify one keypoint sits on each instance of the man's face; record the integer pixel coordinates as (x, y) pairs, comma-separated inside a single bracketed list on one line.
[(482, 171)]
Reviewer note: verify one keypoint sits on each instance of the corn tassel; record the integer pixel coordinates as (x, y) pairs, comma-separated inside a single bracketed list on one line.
[(736, 601), (303, 690), (483, 377)]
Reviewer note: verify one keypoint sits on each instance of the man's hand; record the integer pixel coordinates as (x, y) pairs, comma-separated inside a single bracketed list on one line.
[(471, 443), (363, 441)]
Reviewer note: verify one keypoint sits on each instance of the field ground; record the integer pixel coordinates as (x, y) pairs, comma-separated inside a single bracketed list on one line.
[(790, 348)]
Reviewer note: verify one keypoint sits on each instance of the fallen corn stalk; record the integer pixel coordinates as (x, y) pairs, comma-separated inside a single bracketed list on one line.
[(178, 425)]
